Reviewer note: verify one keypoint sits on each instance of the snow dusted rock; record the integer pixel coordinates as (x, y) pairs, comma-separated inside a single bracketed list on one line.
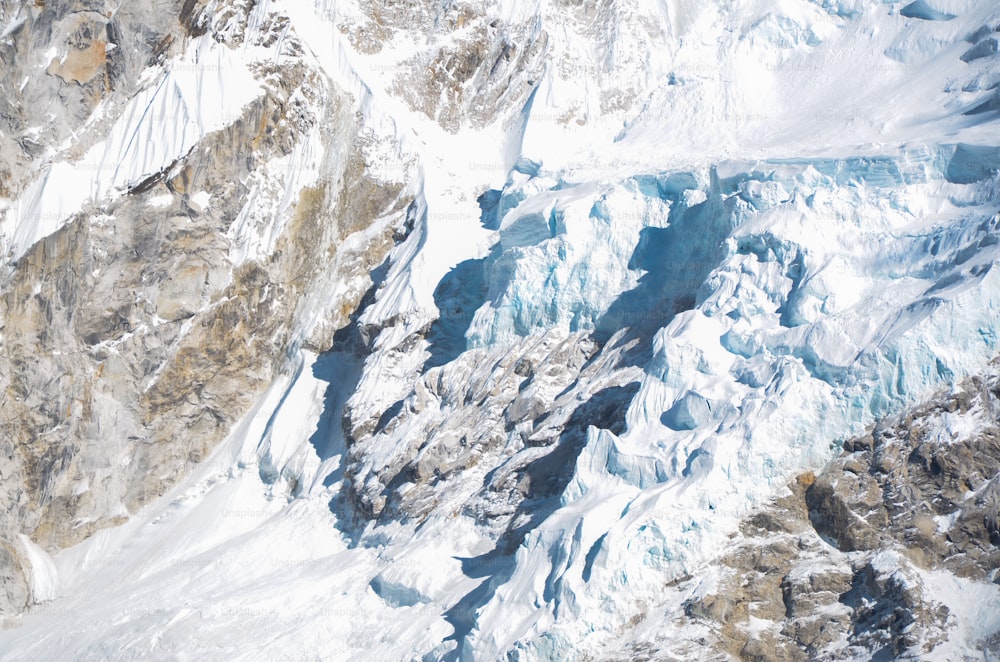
[(878, 555), (88, 55), (141, 330)]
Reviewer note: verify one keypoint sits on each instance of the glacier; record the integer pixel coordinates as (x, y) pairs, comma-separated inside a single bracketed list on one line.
[(707, 245)]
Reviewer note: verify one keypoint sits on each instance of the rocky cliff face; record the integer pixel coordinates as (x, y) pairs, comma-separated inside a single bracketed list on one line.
[(137, 334)]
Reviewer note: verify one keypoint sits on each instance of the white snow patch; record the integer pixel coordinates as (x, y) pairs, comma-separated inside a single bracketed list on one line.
[(200, 201), (44, 576), (161, 201), (945, 522)]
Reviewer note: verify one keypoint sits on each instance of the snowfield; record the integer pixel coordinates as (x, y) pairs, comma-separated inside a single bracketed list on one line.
[(758, 227)]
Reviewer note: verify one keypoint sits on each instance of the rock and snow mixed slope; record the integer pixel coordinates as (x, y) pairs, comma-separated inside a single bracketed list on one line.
[(472, 332)]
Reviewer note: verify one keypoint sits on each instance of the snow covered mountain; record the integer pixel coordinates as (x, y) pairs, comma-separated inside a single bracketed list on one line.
[(473, 331)]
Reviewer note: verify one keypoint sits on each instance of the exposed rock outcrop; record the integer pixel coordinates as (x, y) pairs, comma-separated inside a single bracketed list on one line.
[(136, 335), (844, 565)]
